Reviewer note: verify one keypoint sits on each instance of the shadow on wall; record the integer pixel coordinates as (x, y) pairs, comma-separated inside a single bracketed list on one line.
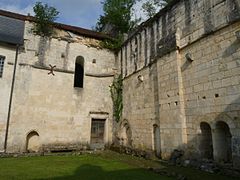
[(233, 48), (215, 135), (218, 137)]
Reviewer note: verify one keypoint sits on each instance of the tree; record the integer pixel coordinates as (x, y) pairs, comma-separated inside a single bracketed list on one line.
[(116, 20), (45, 16), (150, 7), (117, 17)]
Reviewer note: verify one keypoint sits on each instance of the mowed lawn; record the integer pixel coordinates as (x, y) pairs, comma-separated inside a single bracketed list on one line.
[(82, 167), (107, 165)]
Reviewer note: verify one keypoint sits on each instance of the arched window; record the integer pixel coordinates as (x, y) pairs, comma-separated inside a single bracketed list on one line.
[(2, 58), (79, 72)]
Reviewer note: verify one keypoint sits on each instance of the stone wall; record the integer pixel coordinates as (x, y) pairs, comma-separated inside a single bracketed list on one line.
[(181, 68), (5, 84), (50, 106), (211, 86), (181, 77)]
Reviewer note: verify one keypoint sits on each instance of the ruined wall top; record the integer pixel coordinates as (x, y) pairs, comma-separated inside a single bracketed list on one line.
[(179, 24)]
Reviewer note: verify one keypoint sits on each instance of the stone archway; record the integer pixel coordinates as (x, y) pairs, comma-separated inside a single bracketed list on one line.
[(125, 134), (33, 142), (222, 142), (206, 145), (156, 140)]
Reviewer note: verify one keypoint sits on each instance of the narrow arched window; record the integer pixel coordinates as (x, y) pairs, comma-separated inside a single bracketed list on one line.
[(79, 72)]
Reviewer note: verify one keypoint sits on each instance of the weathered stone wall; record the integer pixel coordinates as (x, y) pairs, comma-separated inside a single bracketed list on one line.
[(212, 86), (187, 56), (181, 75), (139, 108), (5, 87), (50, 105)]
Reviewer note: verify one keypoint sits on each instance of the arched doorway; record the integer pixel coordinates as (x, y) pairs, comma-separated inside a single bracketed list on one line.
[(206, 146), (156, 140), (33, 143), (222, 142), (126, 135)]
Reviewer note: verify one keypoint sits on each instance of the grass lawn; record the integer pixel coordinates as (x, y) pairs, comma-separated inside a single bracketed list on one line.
[(106, 165)]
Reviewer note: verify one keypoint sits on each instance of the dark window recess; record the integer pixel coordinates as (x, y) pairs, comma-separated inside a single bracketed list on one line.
[(79, 72), (2, 58)]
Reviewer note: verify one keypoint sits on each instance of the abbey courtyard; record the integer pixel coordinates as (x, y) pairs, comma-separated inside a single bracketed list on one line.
[(180, 75)]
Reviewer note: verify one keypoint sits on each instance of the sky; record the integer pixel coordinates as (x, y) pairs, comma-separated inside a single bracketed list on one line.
[(82, 13)]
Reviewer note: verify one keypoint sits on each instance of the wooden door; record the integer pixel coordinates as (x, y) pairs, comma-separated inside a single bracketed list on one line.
[(97, 131)]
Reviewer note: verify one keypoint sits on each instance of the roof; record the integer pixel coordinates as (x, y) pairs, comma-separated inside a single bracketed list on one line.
[(74, 29), (11, 30)]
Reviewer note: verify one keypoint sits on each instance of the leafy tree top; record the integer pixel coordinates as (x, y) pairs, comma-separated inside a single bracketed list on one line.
[(45, 16), (150, 7), (117, 17)]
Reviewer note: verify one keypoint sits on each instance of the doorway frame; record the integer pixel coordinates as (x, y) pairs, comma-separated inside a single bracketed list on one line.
[(101, 116)]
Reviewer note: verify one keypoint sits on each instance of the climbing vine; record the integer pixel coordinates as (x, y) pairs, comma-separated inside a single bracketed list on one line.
[(116, 94)]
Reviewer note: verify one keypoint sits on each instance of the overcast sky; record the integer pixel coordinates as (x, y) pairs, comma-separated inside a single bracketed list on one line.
[(83, 13)]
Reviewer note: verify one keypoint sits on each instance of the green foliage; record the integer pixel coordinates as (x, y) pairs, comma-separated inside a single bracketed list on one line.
[(116, 20), (150, 6), (45, 17), (116, 94), (117, 17), (96, 166), (113, 44), (73, 167)]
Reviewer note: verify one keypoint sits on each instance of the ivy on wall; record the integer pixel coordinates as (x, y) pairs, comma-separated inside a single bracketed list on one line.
[(116, 94)]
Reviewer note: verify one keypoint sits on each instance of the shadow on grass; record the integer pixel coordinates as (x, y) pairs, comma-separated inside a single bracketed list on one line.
[(90, 172)]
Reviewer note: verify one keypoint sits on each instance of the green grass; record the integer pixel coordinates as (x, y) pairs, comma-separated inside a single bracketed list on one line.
[(107, 165), (81, 167), (190, 173)]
